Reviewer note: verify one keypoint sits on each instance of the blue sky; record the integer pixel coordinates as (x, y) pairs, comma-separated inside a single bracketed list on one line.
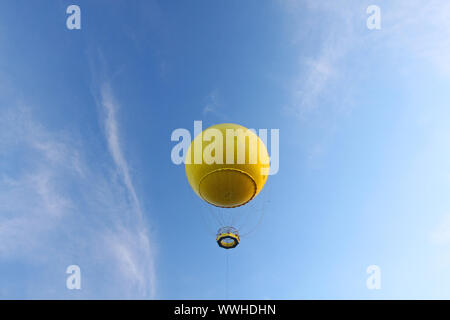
[(86, 176)]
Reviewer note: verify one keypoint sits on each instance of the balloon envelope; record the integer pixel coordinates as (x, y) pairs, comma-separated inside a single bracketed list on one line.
[(227, 165)]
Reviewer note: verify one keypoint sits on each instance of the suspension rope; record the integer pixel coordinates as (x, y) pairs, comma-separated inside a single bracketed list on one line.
[(226, 276), (209, 223), (258, 224)]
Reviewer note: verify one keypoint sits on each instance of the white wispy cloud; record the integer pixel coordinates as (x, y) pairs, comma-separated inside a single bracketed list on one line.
[(211, 103), (328, 28), (57, 209), (335, 51), (409, 29), (135, 253), (441, 234), (110, 106), (317, 73), (213, 106), (418, 29), (31, 200)]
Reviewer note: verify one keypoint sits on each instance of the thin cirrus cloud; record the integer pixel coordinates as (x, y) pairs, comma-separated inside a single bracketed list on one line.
[(335, 51), (213, 106), (32, 200), (59, 209), (137, 257), (418, 30), (409, 29), (319, 69), (441, 234)]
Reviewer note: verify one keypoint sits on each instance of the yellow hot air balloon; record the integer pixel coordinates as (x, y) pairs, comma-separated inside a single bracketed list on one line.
[(227, 166)]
